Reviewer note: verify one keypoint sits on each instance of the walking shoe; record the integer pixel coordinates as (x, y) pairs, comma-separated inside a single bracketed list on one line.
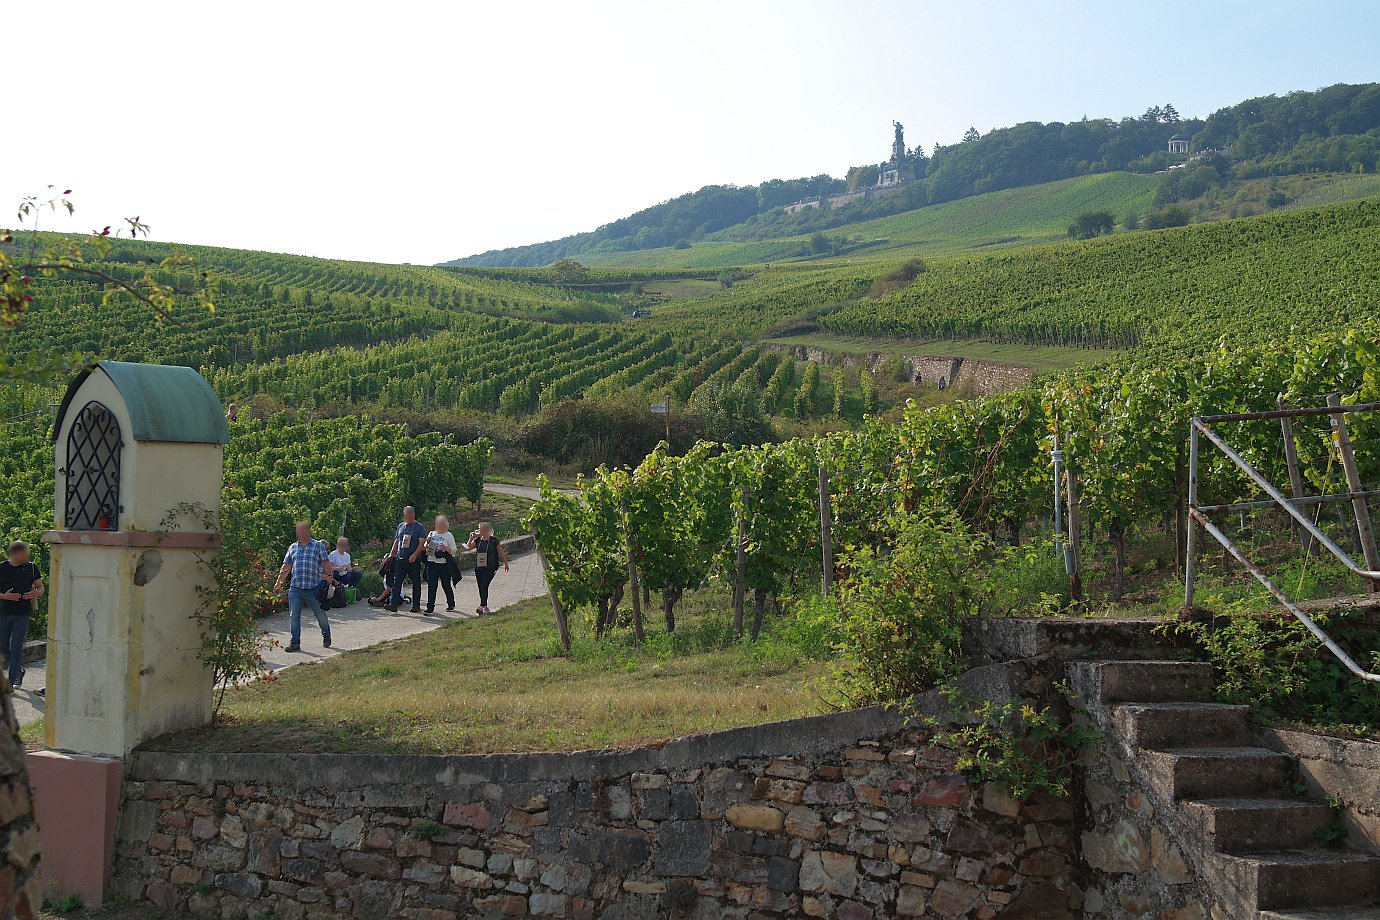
[(390, 608), (326, 640), (294, 647), (41, 692), (19, 683), (450, 610), (427, 613), (479, 610), (416, 609)]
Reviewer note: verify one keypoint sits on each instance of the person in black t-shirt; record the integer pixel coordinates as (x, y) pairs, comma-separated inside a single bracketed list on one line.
[(20, 586)]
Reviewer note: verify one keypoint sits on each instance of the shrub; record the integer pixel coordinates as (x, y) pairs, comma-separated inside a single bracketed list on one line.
[(232, 641), (895, 624), (1018, 747), (898, 278), (900, 614), (1271, 661), (1092, 223)]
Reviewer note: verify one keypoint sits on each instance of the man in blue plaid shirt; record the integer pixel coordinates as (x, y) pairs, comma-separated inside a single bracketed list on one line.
[(307, 562)]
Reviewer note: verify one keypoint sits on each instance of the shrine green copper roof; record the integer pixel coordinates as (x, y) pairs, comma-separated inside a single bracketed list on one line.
[(165, 403)]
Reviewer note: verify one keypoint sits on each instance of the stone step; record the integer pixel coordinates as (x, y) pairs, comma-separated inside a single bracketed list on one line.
[(1160, 725), (1243, 825), (1342, 912), (1205, 773), (1148, 681), (1303, 878)]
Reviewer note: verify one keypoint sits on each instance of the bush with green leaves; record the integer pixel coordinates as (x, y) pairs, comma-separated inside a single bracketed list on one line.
[(1271, 661), (898, 616), (1022, 748)]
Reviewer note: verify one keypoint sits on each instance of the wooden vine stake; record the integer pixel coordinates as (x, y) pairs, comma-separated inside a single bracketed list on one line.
[(1075, 525), (562, 624), (1353, 485), (826, 536), (740, 573), (632, 573)]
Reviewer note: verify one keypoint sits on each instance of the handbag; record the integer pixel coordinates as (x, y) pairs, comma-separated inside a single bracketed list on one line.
[(385, 566)]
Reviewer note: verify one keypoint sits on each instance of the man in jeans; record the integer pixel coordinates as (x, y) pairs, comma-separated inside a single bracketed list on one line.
[(408, 543), (304, 565), (20, 586)]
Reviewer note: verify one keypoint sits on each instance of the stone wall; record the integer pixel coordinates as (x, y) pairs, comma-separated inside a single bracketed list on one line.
[(1344, 769), (968, 376), (851, 815), (20, 891)]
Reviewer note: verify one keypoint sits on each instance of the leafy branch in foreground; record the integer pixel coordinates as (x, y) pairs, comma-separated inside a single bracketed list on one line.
[(53, 255)]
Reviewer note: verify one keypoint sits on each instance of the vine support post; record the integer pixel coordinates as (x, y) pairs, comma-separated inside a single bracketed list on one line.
[(562, 624), (1353, 485), (632, 573), (826, 536), (1057, 458), (1075, 565), (1291, 459), (1180, 505), (1191, 543), (740, 571)]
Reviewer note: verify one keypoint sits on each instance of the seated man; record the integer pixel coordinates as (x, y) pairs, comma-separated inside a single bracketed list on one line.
[(343, 567)]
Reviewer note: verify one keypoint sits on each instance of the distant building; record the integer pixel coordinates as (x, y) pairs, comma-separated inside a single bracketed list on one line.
[(1178, 144)]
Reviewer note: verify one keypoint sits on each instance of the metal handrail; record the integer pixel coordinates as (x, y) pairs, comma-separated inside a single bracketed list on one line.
[(1199, 514), (1279, 499)]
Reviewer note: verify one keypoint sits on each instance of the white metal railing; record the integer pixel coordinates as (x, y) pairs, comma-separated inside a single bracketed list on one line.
[(1198, 514)]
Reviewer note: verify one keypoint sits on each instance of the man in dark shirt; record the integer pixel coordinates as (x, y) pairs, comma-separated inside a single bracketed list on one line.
[(408, 543), (20, 586)]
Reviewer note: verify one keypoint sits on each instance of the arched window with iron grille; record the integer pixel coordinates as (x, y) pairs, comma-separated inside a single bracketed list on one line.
[(93, 470)]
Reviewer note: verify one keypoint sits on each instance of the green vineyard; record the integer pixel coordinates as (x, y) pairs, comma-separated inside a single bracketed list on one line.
[(1123, 426), (1244, 279)]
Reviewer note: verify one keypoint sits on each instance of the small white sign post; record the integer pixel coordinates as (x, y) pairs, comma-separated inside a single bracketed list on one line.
[(663, 409)]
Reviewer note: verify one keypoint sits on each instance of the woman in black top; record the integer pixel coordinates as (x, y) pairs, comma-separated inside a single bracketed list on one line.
[(20, 587), (488, 553)]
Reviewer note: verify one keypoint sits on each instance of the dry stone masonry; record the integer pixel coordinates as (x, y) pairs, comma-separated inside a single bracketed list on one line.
[(854, 815)]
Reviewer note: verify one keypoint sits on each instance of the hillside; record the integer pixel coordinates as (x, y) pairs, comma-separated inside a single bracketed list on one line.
[(1039, 213), (1335, 129), (1247, 278)]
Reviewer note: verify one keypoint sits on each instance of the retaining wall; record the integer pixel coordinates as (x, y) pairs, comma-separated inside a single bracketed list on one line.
[(852, 815), (1343, 769)]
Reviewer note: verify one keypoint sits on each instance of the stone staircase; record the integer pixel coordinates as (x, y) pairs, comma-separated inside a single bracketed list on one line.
[(1235, 808)]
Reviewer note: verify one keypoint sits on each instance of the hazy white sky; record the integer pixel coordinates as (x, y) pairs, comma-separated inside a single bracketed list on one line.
[(418, 132)]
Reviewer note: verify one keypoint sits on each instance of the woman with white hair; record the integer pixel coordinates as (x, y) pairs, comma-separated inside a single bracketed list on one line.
[(440, 550)]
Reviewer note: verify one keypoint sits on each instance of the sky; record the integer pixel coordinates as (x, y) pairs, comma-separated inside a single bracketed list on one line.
[(421, 132)]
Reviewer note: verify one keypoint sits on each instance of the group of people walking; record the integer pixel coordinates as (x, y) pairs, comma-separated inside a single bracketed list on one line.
[(311, 574)]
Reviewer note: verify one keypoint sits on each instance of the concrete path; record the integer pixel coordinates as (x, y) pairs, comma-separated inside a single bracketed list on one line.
[(356, 626), (529, 492)]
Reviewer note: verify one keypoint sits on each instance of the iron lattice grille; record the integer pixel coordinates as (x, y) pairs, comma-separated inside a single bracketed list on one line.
[(93, 470)]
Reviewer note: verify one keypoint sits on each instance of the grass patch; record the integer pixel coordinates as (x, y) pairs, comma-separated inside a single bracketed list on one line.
[(1042, 358), (501, 684)]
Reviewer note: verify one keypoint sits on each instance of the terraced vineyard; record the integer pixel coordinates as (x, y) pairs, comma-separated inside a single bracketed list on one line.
[(314, 333), (1243, 279)]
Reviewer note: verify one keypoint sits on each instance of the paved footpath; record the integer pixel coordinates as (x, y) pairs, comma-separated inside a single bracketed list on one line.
[(353, 627)]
